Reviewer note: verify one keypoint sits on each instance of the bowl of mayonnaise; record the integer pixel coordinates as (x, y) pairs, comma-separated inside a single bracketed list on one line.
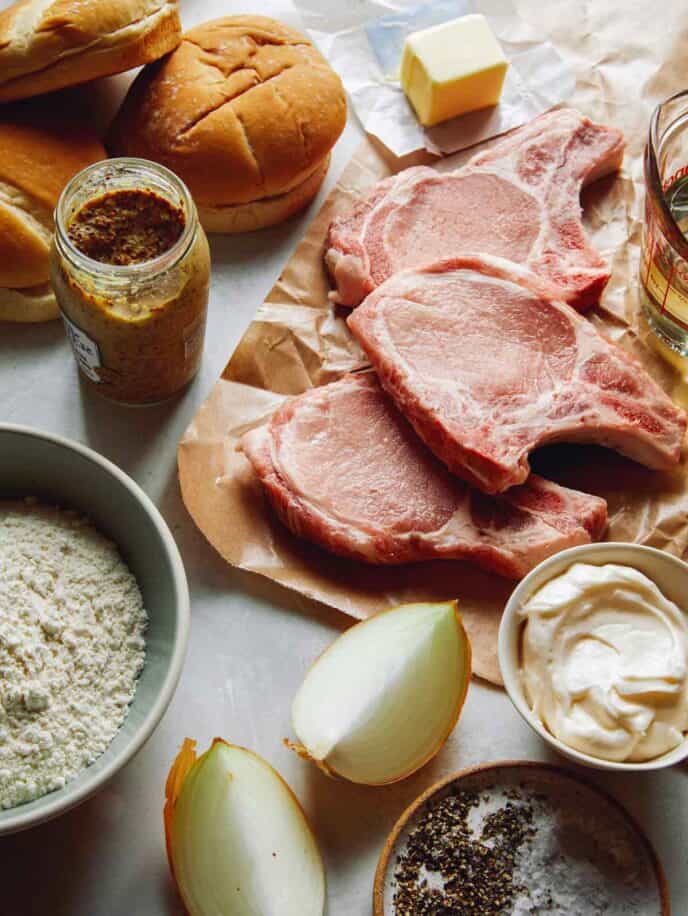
[(593, 650)]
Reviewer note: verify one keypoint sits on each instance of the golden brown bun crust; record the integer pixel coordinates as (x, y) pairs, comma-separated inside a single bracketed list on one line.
[(37, 159), (37, 303), (245, 108), (72, 42), (23, 250), (259, 214), (41, 157)]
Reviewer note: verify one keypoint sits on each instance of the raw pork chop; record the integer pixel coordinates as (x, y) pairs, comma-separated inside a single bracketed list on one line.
[(487, 366), (343, 468), (518, 200)]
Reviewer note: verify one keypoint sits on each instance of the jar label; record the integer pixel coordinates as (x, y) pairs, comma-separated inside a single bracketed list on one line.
[(85, 349)]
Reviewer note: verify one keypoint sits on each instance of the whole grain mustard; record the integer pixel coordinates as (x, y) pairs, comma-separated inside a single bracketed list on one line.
[(130, 266)]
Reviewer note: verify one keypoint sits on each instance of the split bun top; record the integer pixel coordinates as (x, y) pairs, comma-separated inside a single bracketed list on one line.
[(246, 109), (49, 45), (38, 156)]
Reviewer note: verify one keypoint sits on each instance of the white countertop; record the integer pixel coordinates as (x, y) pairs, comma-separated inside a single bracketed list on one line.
[(250, 641)]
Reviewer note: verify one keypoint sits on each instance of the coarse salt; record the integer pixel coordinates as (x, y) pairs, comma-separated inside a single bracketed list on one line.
[(574, 857)]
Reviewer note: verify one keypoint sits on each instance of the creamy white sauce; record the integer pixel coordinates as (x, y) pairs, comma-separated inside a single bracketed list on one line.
[(605, 662)]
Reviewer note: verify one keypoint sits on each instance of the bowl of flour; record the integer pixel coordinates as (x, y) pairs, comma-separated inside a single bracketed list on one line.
[(94, 618)]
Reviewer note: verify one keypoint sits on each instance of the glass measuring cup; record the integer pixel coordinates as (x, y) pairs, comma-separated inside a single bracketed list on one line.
[(664, 244)]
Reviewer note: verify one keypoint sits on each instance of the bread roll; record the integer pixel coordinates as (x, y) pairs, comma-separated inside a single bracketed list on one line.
[(265, 212), (38, 156), (32, 304), (47, 45), (245, 111)]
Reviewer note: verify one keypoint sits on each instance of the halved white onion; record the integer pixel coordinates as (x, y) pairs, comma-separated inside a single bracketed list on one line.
[(382, 700), (238, 841)]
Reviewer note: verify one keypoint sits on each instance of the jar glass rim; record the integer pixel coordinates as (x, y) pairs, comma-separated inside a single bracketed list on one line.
[(140, 269), (653, 177)]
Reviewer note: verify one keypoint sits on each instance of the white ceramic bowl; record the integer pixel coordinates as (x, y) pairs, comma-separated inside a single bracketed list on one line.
[(671, 576), (33, 463)]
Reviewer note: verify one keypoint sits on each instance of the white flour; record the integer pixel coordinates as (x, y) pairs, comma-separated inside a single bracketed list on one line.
[(71, 647)]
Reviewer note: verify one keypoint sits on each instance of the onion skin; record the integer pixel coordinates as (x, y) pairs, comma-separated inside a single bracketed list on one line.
[(179, 770), (302, 752)]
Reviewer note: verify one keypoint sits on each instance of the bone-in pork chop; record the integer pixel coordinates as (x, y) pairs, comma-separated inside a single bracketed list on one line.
[(487, 366), (342, 468), (518, 200)]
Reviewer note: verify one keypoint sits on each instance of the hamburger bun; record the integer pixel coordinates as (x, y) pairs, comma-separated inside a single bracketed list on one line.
[(46, 46), (38, 156), (29, 305), (245, 111), (265, 212)]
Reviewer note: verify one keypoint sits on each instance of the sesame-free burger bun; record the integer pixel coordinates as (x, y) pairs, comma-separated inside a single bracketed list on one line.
[(245, 111), (268, 211), (29, 305), (38, 156), (46, 46), (36, 162)]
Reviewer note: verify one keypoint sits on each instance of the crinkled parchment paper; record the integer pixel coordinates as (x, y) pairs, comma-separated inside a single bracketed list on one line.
[(627, 57), (363, 41)]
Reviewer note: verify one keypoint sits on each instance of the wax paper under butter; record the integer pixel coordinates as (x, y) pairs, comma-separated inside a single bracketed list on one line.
[(364, 42), (627, 58)]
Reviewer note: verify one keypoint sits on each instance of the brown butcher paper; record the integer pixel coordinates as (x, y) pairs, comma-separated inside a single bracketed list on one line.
[(627, 58)]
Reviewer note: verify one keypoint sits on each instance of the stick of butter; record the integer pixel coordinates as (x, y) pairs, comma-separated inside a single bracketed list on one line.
[(452, 68)]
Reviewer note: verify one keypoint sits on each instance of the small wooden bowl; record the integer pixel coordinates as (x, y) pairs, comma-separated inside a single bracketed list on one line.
[(485, 773)]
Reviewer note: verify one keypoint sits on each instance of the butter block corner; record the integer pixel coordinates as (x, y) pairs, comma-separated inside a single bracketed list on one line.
[(452, 68)]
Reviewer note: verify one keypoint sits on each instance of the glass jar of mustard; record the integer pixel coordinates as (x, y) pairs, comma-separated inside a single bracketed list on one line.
[(130, 267)]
